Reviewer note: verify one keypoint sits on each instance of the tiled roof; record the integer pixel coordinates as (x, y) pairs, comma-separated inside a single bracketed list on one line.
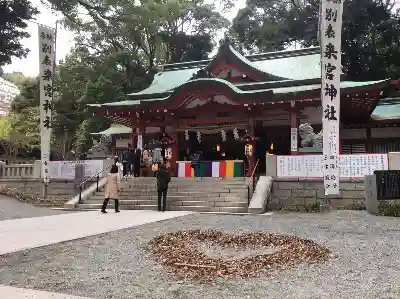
[(283, 65), (115, 129), (277, 92)]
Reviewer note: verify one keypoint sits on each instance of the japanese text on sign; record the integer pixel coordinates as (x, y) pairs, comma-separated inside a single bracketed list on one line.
[(46, 61), (331, 27), (311, 166)]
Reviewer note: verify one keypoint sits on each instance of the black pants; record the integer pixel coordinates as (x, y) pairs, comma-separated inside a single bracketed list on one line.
[(105, 203), (136, 170), (163, 194), (131, 168), (125, 170)]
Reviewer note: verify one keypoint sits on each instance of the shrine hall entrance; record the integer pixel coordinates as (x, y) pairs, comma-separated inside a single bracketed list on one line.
[(274, 140), (214, 149)]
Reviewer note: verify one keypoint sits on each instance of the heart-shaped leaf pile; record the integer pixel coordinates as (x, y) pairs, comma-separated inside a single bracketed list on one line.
[(179, 253)]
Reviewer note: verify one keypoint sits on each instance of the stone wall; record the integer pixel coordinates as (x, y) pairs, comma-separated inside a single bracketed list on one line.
[(57, 189), (302, 194)]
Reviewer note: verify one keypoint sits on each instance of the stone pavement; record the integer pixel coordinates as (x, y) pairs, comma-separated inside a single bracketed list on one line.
[(13, 209), (20, 234), (26, 233), (17, 293)]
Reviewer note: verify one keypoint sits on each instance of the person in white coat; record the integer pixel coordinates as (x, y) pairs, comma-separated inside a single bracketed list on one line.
[(120, 168)]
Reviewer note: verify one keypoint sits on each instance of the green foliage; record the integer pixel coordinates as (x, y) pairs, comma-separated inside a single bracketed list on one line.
[(82, 135), (25, 130), (29, 94), (13, 17), (17, 78), (356, 207), (5, 127), (387, 208), (118, 47), (369, 39), (312, 208)]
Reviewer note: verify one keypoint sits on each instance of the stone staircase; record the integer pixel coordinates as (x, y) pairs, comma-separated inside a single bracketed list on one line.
[(207, 195)]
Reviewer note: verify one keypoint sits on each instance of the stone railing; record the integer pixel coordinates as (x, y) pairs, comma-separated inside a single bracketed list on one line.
[(16, 171)]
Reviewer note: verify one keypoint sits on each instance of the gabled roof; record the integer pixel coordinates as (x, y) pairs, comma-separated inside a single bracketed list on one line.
[(114, 129), (278, 89), (388, 109), (283, 65)]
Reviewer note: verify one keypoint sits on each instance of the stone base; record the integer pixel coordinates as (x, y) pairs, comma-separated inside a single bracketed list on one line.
[(306, 195)]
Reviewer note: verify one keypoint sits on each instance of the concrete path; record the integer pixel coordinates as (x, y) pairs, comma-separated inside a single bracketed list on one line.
[(17, 293), (20, 234), (12, 209)]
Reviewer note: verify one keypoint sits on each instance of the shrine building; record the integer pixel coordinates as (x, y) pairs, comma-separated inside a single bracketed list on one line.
[(262, 97)]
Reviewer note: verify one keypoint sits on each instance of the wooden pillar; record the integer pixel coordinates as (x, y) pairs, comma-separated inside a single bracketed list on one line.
[(175, 153), (252, 159), (113, 146), (369, 149), (141, 130), (133, 135), (293, 129)]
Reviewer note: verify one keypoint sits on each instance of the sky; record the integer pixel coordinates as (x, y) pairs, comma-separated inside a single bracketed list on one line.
[(29, 66)]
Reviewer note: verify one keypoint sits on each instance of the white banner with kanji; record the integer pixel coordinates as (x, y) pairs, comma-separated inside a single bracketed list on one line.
[(331, 31), (46, 61)]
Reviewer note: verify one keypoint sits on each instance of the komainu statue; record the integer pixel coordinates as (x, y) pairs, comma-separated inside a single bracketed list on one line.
[(308, 137), (101, 148)]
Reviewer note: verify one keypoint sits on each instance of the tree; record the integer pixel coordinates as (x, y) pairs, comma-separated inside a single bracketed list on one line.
[(369, 38), (13, 17), (29, 95), (17, 78), (139, 37), (118, 48)]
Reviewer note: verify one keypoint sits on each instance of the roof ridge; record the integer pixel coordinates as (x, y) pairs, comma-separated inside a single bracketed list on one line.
[(251, 57)]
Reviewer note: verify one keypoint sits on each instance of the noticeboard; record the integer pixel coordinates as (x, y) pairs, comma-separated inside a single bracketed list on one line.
[(387, 184)]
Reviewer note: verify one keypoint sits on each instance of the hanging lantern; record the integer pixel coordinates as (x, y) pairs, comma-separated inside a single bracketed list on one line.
[(199, 137), (218, 148), (166, 140), (186, 135), (248, 150), (235, 134), (223, 135), (248, 138), (168, 153)]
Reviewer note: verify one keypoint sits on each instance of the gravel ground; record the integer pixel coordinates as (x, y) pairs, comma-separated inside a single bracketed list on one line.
[(13, 209), (116, 265)]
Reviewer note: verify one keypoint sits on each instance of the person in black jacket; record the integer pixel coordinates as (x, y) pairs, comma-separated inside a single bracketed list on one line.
[(131, 160), (163, 180), (136, 165)]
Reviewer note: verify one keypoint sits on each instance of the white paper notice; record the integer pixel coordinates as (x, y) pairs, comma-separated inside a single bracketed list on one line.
[(293, 139), (350, 166)]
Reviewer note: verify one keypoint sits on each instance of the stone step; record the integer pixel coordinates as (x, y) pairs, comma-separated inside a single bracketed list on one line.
[(175, 202), (192, 184), (188, 184), (205, 197), (188, 190), (171, 208), (172, 191)]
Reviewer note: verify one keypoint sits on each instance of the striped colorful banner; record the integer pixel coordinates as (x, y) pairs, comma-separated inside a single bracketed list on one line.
[(220, 169)]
